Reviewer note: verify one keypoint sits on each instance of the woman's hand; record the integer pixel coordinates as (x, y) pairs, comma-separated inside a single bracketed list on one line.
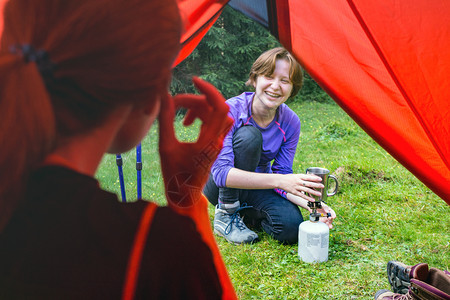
[(328, 214), (186, 166), (325, 210), (301, 185)]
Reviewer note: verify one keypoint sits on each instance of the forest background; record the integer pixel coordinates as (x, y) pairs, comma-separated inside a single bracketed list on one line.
[(225, 55)]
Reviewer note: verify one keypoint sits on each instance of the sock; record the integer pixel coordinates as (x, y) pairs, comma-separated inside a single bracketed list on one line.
[(229, 207)]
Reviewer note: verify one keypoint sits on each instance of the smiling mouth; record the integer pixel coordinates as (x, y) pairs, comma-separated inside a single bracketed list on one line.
[(273, 95)]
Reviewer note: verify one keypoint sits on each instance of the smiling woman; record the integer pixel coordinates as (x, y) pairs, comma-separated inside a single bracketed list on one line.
[(255, 164), (271, 91)]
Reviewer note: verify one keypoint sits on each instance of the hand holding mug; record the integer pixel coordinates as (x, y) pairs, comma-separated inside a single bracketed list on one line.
[(324, 174), (302, 185)]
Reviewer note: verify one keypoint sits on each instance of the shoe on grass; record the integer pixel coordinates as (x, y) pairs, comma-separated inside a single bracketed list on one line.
[(232, 228), (388, 295), (425, 283), (399, 275)]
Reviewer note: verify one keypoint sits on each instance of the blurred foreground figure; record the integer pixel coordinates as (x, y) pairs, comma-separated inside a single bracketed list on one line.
[(79, 79)]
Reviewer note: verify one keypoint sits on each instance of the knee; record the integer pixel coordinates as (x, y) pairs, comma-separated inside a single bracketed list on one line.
[(211, 191), (248, 138), (287, 233)]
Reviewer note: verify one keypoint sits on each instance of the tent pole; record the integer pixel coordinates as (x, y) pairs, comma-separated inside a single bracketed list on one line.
[(119, 163), (138, 171)]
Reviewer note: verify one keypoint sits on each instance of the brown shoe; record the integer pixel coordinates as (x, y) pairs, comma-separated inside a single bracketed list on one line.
[(432, 284), (388, 295), (399, 275)]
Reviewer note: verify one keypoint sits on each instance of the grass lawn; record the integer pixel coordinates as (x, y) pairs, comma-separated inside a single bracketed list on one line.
[(384, 213)]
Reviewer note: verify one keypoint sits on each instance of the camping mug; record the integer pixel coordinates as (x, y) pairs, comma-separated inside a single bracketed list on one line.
[(325, 175)]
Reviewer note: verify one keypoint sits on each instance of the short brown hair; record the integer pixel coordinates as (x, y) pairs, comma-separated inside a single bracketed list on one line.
[(265, 65)]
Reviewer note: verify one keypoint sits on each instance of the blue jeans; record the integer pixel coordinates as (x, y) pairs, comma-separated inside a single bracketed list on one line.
[(276, 215)]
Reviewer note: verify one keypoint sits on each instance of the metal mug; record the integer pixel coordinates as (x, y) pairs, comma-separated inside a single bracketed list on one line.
[(325, 175)]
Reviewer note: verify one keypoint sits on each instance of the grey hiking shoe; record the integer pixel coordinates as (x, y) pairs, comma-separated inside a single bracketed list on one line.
[(232, 228)]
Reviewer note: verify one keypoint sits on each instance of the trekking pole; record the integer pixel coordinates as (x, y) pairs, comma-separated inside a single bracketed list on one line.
[(138, 171), (119, 163)]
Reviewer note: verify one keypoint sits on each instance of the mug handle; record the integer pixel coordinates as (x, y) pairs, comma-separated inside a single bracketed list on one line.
[(336, 188)]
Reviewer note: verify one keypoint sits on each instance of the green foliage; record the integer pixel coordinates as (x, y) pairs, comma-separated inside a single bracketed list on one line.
[(384, 213), (311, 91), (335, 130)]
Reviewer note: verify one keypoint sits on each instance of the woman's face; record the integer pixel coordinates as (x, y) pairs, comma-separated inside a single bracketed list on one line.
[(273, 90)]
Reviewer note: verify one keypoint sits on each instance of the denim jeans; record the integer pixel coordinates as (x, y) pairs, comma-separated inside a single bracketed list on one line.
[(276, 215)]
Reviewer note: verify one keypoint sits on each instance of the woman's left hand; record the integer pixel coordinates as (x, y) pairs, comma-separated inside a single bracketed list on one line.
[(325, 210)]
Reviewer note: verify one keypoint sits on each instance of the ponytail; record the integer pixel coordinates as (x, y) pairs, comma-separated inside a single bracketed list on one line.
[(101, 54), (27, 127)]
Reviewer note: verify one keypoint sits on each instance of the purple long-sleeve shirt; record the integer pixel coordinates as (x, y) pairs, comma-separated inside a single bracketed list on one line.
[(280, 139)]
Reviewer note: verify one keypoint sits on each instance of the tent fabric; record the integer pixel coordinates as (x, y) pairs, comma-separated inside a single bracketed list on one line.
[(254, 9), (272, 14), (198, 17), (385, 64)]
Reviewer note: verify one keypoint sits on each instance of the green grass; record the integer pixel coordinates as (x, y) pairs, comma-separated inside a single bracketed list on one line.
[(384, 213)]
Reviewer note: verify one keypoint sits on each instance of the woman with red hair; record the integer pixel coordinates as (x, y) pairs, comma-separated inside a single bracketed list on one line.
[(79, 79)]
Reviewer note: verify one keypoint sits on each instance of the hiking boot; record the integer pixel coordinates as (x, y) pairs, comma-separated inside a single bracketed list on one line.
[(232, 228), (430, 284), (399, 275)]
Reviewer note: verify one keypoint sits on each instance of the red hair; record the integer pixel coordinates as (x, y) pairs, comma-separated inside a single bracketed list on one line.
[(104, 52)]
